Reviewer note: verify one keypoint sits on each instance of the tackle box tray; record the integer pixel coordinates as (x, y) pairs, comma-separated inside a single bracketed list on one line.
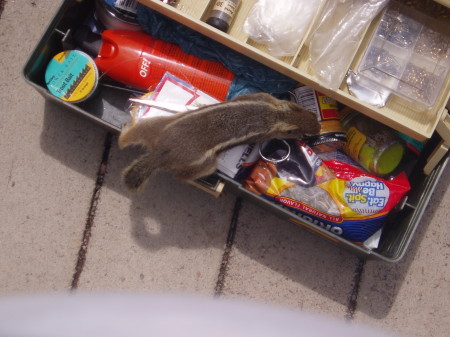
[(107, 108), (398, 113)]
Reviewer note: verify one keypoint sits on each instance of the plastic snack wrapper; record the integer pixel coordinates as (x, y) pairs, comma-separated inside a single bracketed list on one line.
[(172, 95), (276, 24), (335, 39), (332, 194)]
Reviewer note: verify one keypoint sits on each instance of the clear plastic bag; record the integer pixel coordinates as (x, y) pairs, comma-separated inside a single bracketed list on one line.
[(336, 37), (281, 25)]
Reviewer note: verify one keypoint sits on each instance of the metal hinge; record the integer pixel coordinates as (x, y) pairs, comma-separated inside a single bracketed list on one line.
[(443, 129)]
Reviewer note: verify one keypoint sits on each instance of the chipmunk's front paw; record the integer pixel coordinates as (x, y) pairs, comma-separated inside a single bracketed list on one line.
[(137, 174)]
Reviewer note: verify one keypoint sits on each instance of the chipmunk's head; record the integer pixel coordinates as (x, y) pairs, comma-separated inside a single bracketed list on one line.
[(296, 122), (304, 119)]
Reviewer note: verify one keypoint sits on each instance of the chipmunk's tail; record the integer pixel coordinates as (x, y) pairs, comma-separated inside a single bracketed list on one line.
[(136, 175)]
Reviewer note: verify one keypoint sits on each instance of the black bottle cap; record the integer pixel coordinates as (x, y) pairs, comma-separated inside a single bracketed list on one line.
[(218, 23)]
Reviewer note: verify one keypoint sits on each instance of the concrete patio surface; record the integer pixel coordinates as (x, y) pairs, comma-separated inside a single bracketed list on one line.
[(69, 224)]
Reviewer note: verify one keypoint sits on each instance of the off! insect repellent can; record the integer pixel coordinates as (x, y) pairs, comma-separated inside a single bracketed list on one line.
[(71, 76), (136, 59)]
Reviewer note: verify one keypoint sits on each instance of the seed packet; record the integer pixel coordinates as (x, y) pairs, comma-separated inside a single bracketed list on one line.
[(331, 194)]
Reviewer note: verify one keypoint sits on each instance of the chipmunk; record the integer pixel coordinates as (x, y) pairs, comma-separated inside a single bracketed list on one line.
[(188, 143)]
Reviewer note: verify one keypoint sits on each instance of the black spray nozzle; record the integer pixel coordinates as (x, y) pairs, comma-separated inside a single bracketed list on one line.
[(88, 41)]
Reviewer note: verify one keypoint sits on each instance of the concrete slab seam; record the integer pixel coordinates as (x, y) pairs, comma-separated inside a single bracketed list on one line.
[(2, 7), (82, 253), (228, 246), (353, 297)]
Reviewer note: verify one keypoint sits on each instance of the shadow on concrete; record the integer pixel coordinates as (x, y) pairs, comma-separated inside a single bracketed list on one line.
[(187, 217), (293, 252), (72, 140), (322, 266)]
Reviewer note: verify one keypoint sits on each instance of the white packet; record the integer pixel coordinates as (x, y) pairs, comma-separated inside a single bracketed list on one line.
[(281, 25)]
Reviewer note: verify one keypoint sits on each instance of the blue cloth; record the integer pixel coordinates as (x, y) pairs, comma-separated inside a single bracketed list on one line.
[(250, 75)]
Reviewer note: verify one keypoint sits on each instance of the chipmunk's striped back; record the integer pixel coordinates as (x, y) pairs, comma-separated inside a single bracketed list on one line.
[(188, 143)]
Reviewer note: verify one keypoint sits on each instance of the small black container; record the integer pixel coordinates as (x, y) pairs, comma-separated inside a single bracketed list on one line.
[(222, 14)]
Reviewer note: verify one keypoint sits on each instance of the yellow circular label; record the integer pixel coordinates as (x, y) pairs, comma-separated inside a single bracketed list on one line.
[(71, 76), (355, 141)]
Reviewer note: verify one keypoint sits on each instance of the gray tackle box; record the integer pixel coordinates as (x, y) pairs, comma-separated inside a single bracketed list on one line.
[(106, 108)]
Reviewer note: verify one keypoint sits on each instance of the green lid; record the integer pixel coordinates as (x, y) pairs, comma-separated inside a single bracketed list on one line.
[(389, 159)]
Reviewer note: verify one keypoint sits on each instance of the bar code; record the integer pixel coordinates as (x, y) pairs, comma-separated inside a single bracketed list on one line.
[(306, 97), (127, 5)]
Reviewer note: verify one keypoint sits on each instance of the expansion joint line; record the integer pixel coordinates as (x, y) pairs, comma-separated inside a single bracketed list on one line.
[(2, 7), (227, 251), (91, 213), (353, 297)]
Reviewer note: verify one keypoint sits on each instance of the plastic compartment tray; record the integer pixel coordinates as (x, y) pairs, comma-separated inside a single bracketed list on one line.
[(398, 113), (409, 54)]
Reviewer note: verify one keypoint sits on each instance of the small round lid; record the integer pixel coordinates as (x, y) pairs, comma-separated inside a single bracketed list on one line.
[(71, 76)]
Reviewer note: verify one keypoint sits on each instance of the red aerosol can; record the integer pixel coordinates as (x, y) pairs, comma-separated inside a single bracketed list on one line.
[(136, 59)]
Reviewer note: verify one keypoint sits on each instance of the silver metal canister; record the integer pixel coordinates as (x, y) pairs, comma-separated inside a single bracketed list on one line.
[(117, 14)]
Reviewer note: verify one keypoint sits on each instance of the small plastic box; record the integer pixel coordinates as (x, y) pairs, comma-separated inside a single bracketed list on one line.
[(409, 54)]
